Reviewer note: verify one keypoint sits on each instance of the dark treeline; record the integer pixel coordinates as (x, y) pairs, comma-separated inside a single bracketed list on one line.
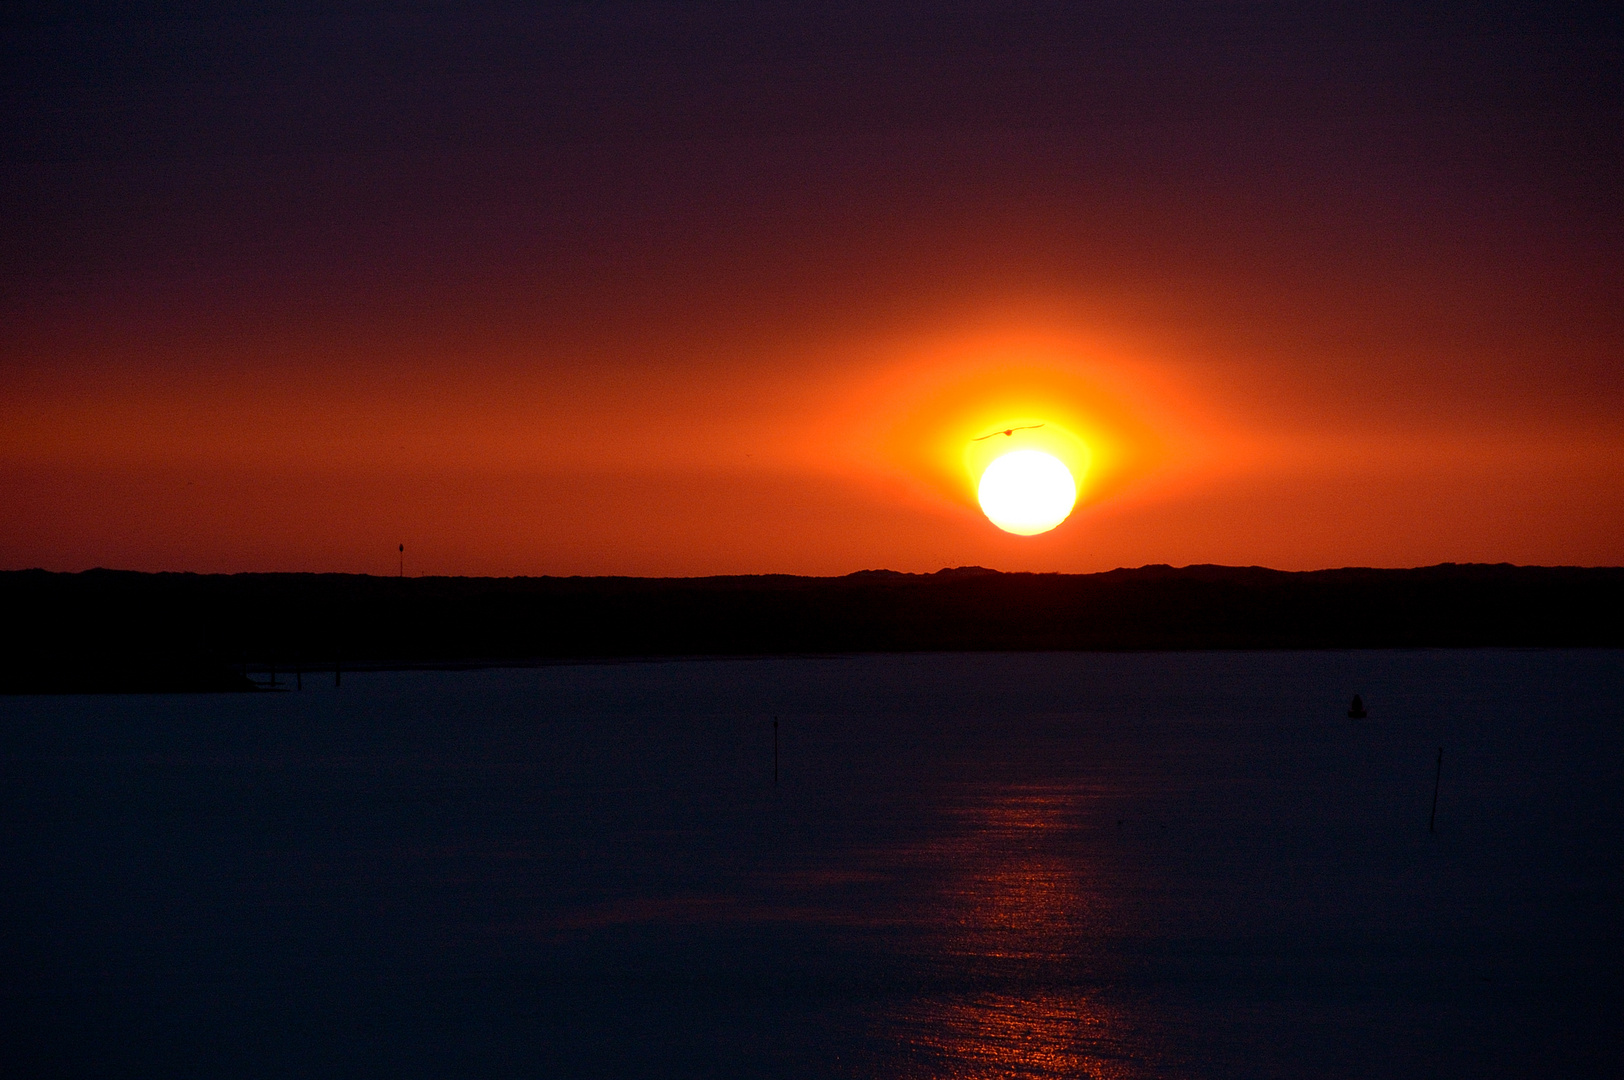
[(114, 630)]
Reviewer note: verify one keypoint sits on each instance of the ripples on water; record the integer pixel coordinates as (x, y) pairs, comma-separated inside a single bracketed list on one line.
[(1017, 914), (983, 866)]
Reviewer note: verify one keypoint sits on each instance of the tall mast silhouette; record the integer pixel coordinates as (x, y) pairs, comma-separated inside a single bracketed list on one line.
[(403, 560)]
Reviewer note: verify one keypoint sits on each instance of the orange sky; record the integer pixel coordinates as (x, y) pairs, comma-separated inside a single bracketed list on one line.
[(761, 352), (817, 453)]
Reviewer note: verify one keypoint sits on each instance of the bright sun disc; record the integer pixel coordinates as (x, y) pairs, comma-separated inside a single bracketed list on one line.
[(1027, 492)]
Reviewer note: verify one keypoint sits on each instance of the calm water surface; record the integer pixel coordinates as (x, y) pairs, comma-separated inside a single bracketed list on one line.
[(1185, 865)]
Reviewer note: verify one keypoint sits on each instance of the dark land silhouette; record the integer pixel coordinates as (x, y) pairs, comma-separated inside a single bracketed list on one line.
[(117, 631)]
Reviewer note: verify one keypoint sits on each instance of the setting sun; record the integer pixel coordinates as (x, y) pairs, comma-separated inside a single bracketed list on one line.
[(1027, 492)]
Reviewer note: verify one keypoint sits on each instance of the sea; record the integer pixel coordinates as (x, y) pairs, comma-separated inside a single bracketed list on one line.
[(921, 866)]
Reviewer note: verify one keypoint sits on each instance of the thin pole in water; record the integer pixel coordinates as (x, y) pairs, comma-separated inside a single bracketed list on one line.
[(1432, 826), (775, 751), (338, 673)]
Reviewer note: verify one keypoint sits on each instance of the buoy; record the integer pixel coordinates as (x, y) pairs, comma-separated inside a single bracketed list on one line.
[(1356, 711)]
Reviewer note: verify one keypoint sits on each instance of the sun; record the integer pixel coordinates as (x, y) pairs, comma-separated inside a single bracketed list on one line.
[(1027, 492)]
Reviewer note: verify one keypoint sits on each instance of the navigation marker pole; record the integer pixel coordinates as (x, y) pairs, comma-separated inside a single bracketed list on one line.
[(775, 751), (1432, 826)]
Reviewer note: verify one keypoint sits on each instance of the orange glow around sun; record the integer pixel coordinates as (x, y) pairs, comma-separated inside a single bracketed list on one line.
[(930, 409)]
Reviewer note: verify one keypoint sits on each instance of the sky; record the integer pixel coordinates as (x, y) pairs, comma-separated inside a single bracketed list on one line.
[(719, 288)]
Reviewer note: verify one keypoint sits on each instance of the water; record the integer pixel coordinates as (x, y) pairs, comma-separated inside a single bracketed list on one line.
[(1181, 865)]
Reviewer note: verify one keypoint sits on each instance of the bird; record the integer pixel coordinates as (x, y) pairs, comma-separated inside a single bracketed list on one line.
[(1007, 431)]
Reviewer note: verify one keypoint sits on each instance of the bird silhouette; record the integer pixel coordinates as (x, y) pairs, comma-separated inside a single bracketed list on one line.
[(1006, 431)]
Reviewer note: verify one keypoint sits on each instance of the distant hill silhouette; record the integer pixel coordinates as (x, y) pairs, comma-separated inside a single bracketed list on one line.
[(105, 630)]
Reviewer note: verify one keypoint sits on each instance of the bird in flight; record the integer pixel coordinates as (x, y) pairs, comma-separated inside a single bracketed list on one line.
[(1007, 431)]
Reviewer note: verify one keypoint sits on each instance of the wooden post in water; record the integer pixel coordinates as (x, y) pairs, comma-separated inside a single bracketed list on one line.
[(338, 673), (775, 751), (1438, 775)]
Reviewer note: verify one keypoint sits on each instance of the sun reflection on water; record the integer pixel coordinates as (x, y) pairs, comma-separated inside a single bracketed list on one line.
[(1012, 933), (997, 1035)]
